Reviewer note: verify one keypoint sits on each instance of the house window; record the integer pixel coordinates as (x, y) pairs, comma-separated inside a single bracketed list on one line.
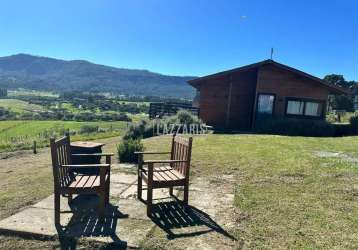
[(312, 109), (295, 107), (301, 107), (265, 104)]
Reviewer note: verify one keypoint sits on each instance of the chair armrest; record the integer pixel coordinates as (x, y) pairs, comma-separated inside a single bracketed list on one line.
[(87, 166), (94, 154), (162, 161), (150, 153)]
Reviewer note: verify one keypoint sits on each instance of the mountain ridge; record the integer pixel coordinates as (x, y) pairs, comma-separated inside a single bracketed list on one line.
[(46, 73)]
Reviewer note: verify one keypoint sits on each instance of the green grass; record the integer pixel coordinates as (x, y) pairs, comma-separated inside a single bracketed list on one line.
[(286, 196), (19, 106), (21, 134)]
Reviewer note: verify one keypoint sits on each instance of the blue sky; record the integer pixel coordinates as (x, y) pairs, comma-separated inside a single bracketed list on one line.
[(186, 37)]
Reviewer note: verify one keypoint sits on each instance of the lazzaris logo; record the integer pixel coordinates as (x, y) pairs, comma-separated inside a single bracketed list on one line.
[(160, 128)]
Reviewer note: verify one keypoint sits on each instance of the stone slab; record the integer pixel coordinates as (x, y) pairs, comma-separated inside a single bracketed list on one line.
[(134, 208), (33, 221), (79, 202), (123, 178), (158, 194), (117, 189)]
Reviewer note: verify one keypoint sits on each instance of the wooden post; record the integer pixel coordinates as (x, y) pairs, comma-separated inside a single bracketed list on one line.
[(34, 148)]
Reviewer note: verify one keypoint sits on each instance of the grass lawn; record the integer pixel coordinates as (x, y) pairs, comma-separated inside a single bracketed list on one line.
[(287, 195), (25, 132), (290, 192)]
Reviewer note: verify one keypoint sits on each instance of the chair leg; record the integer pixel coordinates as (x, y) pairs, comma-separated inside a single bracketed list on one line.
[(107, 193), (171, 191), (139, 186), (149, 200), (57, 208), (69, 198), (102, 206), (186, 194)]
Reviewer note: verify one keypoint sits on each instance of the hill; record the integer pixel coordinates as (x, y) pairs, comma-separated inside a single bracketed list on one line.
[(43, 73)]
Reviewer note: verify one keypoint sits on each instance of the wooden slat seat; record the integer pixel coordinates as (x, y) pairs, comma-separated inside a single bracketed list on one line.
[(165, 174), (86, 181)]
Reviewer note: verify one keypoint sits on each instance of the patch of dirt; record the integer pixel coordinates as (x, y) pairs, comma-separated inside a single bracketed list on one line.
[(292, 178), (287, 178), (352, 191), (340, 155)]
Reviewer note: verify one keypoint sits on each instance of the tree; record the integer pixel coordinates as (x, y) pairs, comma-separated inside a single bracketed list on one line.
[(341, 102), (3, 92), (338, 80)]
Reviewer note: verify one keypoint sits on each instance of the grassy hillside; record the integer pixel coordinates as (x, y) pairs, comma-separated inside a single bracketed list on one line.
[(21, 134), (49, 74)]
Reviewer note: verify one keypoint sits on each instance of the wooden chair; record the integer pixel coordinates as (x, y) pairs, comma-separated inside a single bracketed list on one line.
[(171, 173), (68, 182)]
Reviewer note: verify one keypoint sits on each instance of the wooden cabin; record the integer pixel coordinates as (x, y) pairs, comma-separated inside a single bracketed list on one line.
[(235, 98)]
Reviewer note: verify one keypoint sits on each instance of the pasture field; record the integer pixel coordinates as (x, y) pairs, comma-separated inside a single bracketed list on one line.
[(16, 135), (27, 92), (19, 106)]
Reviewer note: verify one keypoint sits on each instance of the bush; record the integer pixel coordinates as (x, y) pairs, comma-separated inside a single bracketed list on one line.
[(127, 148), (354, 124), (141, 130), (295, 127), (175, 123), (85, 116), (342, 129), (86, 129)]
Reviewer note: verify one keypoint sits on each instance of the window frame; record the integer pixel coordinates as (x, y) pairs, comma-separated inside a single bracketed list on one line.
[(273, 105), (305, 100)]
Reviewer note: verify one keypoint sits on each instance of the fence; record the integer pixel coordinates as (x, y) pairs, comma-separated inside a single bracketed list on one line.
[(160, 109)]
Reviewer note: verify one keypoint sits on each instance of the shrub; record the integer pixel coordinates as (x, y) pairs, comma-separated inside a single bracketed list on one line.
[(127, 148), (141, 130), (331, 117), (342, 129), (85, 116), (354, 124), (145, 128), (295, 127), (86, 129)]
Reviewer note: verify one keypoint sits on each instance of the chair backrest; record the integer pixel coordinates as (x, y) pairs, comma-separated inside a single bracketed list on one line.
[(61, 155), (181, 150)]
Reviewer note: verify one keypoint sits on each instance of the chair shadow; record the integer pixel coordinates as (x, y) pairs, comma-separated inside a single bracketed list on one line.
[(174, 215), (85, 223)]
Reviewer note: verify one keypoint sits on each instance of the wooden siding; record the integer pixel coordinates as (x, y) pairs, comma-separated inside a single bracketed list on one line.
[(214, 97), (213, 101), (285, 84), (242, 99)]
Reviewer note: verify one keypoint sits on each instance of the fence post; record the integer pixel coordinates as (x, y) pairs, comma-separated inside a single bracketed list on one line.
[(34, 148)]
